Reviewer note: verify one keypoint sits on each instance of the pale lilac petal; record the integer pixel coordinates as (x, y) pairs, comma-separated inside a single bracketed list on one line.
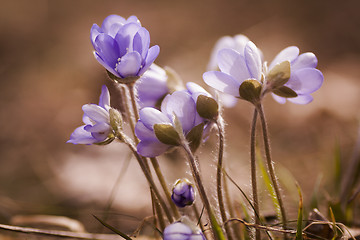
[(196, 90), (150, 58), (112, 24), (279, 99), (106, 65), (100, 136), (104, 100), (151, 116), (183, 106), (125, 37), (305, 60), (99, 127), (222, 82), (142, 132), (227, 100), (87, 120), (253, 60), (81, 136), (177, 231), (288, 54), (107, 48), (133, 19), (301, 99), (129, 64), (233, 63), (226, 58), (306, 80), (151, 148), (96, 112), (142, 42)]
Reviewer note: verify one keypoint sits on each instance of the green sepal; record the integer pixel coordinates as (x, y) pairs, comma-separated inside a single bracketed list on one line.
[(250, 90), (279, 75), (207, 107), (167, 134), (127, 80), (194, 137), (285, 92), (116, 120)]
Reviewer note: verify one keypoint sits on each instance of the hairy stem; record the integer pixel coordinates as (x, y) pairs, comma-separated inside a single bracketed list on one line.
[(270, 165), (196, 175), (253, 174), (219, 187), (164, 186)]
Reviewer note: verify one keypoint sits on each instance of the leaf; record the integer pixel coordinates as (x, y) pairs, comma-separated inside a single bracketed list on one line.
[(299, 227), (194, 137), (167, 134), (285, 92), (123, 235)]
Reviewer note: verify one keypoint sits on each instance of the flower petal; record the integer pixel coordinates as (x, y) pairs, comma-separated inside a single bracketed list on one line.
[(142, 132), (107, 48), (222, 82), (81, 136), (104, 100), (106, 65), (142, 42), (99, 127), (125, 37), (151, 148), (301, 99), (306, 80), (112, 24), (305, 60), (177, 231), (287, 54), (233, 63), (96, 113), (94, 32), (182, 105), (151, 116), (253, 60), (150, 58), (129, 64), (279, 99)]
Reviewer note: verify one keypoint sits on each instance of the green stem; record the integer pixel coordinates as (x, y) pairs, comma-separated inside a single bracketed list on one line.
[(253, 174), (164, 186), (198, 217), (220, 125), (271, 166)]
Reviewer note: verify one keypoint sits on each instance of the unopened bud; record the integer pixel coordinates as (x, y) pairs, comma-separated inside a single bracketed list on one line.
[(183, 193)]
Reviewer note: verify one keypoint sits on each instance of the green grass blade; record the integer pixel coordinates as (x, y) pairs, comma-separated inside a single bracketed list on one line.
[(299, 227), (123, 235), (216, 227)]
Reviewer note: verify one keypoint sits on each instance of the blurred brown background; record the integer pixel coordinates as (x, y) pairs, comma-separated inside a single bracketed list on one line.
[(47, 72)]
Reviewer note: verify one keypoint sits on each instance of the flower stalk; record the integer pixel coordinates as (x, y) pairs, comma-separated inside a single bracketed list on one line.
[(270, 165), (219, 187)]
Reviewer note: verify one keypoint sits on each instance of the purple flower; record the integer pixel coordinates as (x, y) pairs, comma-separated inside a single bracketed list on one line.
[(152, 87), (181, 104), (183, 193), (97, 122), (235, 67), (304, 79), (181, 231), (122, 46)]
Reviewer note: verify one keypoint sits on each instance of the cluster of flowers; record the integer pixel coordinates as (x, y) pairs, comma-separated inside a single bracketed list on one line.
[(236, 68)]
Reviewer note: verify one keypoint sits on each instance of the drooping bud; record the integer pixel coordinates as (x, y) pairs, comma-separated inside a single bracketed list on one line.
[(207, 107), (183, 193), (250, 90), (167, 134)]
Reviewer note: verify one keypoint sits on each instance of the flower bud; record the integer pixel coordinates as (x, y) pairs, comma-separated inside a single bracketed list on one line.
[(182, 231), (183, 193)]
